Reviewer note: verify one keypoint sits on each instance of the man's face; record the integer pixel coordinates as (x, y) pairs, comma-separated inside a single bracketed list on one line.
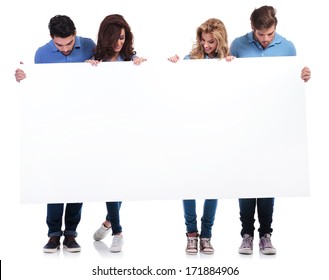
[(64, 45), (264, 36)]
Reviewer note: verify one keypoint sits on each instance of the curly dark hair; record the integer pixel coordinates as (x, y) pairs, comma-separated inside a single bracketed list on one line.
[(109, 33)]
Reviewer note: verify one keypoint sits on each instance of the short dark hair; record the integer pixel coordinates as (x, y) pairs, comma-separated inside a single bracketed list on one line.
[(263, 18), (61, 26)]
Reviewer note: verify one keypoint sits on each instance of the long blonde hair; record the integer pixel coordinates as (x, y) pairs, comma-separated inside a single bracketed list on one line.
[(216, 28)]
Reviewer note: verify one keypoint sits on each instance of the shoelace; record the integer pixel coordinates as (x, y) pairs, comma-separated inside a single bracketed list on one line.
[(206, 243), (247, 242), (267, 242), (192, 242)]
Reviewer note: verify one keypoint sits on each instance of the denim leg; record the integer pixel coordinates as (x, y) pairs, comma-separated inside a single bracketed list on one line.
[(190, 215), (54, 219), (72, 218), (265, 213), (247, 215), (208, 218), (113, 216)]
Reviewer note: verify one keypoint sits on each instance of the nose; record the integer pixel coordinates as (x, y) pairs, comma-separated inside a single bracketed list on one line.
[(266, 38), (65, 48)]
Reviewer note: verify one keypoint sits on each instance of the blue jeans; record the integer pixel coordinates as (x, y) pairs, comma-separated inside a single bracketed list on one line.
[(265, 213), (113, 216), (207, 219), (71, 219)]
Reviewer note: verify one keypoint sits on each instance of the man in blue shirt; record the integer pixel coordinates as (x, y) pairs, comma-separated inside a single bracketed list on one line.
[(64, 47), (262, 41)]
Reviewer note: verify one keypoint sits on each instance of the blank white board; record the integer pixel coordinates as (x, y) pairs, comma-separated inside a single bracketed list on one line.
[(194, 129)]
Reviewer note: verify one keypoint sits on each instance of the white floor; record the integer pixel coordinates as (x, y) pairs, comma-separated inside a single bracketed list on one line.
[(154, 235)]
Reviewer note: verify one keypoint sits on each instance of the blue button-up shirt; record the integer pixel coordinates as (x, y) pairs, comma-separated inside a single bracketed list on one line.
[(247, 46), (49, 53)]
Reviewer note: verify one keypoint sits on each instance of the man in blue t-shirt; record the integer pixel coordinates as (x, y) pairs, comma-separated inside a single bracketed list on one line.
[(262, 41), (64, 47)]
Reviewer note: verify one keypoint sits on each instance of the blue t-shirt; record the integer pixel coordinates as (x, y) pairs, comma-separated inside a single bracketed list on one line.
[(49, 53), (247, 46)]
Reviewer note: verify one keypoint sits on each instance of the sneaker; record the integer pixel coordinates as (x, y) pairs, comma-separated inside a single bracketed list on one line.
[(246, 247), (70, 244), (117, 243), (53, 245), (205, 246), (192, 245), (265, 245), (101, 233)]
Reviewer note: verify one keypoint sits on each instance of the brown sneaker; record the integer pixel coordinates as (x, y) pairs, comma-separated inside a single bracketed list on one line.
[(192, 245), (70, 244), (205, 246), (53, 245)]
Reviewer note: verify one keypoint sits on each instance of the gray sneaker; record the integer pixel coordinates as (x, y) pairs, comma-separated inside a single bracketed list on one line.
[(265, 245), (101, 233), (246, 247), (117, 243), (192, 245), (205, 246)]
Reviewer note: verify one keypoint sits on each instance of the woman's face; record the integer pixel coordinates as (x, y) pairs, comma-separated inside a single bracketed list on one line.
[(119, 44), (209, 43)]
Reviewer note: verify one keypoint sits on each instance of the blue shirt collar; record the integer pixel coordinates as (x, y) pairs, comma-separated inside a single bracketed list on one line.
[(77, 44), (276, 39)]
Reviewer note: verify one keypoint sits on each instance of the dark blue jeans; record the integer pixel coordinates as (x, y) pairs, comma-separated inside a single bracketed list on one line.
[(113, 216), (71, 219), (265, 215), (207, 219)]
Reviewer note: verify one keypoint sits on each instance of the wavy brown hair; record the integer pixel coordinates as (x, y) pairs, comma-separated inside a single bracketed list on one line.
[(109, 33), (216, 28)]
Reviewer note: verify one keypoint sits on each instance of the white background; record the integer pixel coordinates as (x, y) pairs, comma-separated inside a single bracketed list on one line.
[(154, 230)]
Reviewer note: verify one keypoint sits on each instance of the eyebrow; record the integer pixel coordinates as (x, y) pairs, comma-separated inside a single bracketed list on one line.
[(69, 43), (261, 33)]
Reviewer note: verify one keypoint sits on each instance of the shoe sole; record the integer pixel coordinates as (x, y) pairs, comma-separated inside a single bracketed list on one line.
[(207, 252), (244, 252), (268, 253), (115, 251), (72, 250), (51, 250), (99, 238)]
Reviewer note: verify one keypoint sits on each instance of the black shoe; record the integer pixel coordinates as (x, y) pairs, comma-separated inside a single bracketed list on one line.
[(53, 245), (70, 244)]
